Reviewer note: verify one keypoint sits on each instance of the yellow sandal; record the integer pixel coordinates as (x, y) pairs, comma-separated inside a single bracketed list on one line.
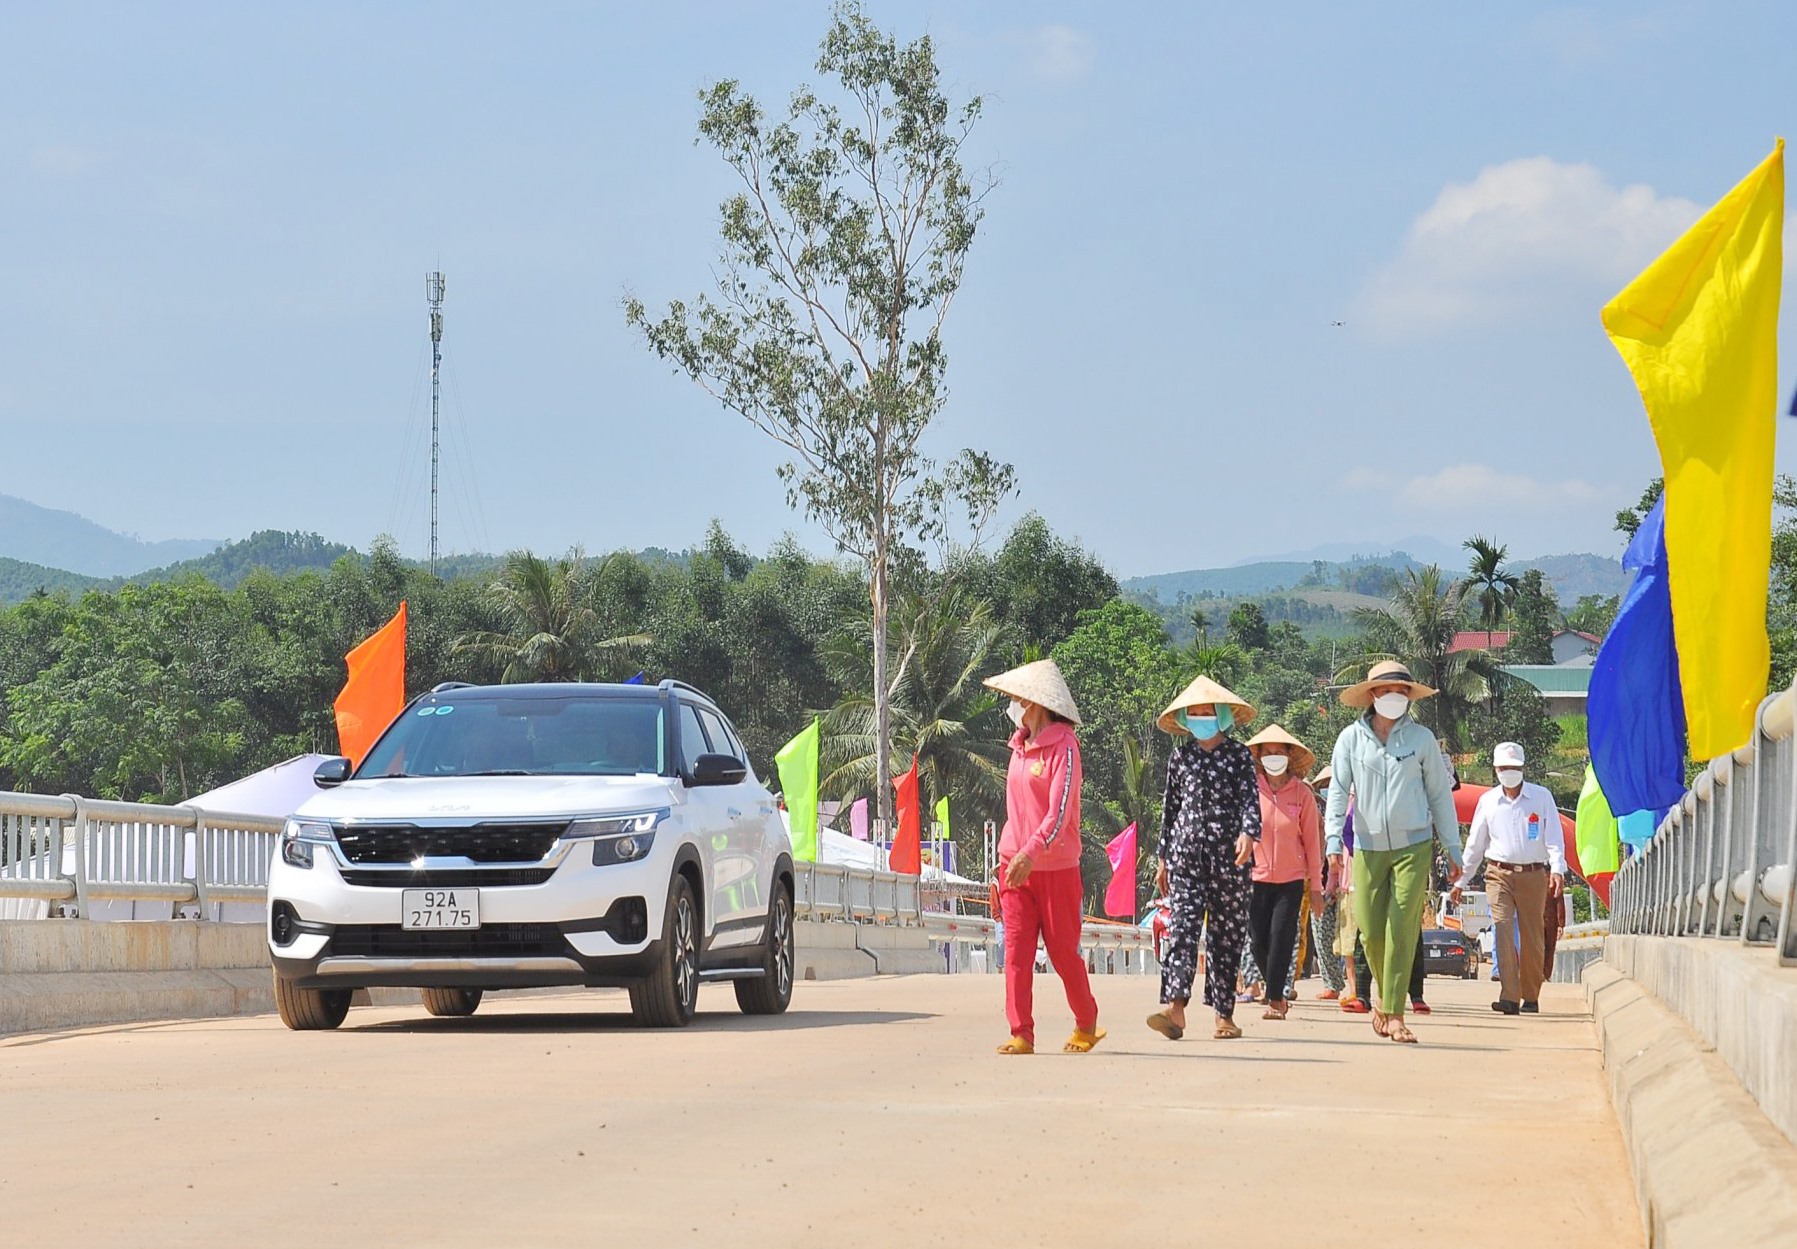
[(1082, 1042), (1017, 1045)]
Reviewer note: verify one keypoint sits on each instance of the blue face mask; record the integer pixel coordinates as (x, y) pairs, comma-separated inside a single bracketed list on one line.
[(1206, 727)]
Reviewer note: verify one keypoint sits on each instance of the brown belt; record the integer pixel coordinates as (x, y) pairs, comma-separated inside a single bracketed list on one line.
[(1518, 867)]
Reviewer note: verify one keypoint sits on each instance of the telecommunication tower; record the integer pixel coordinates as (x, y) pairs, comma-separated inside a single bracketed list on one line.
[(433, 292)]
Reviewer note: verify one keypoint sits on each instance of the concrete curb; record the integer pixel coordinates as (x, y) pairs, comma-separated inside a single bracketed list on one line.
[(1711, 1171)]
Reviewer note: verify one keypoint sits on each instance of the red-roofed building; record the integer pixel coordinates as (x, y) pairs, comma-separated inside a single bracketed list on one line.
[(1569, 647), (1478, 640)]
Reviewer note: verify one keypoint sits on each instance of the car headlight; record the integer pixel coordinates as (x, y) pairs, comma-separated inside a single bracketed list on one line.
[(299, 837), (618, 838)]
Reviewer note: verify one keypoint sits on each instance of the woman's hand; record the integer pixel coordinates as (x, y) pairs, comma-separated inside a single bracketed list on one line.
[(1244, 850), (1160, 880), (1019, 871)]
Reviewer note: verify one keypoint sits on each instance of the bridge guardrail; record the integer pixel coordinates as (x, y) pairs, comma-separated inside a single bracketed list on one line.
[(1721, 863), (75, 851)]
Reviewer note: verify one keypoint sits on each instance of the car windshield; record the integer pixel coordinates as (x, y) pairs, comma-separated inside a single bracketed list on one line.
[(581, 735)]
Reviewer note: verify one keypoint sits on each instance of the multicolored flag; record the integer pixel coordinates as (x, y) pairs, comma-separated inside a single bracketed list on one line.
[(907, 845), (375, 692), (1598, 850), (797, 761), (1120, 896), (1698, 329)]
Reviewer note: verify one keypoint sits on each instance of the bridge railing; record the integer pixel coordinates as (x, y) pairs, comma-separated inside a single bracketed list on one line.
[(832, 891), (1720, 864), (72, 852)]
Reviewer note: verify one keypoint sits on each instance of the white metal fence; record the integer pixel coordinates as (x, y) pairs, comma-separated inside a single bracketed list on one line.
[(1720, 864), (71, 852)]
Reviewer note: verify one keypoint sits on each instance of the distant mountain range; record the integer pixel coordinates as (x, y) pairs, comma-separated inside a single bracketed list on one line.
[(62, 540), (1572, 576)]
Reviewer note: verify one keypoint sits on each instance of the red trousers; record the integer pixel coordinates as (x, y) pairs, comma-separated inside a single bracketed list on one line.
[(1049, 905)]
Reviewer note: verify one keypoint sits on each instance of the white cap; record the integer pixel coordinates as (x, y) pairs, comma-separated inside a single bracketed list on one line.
[(1507, 755)]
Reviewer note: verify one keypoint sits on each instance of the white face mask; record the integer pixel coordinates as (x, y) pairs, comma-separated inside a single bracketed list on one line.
[(1015, 713), (1274, 765), (1509, 778), (1392, 706)]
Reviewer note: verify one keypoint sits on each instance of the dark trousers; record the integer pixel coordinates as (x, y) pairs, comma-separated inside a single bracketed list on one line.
[(1363, 972), (1273, 930)]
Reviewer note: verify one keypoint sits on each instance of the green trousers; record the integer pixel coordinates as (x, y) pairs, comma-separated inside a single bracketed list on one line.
[(1390, 888)]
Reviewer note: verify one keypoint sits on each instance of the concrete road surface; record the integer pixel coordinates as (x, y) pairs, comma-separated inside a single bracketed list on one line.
[(874, 1113)]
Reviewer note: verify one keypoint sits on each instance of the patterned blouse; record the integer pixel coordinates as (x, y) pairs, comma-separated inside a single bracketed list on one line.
[(1212, 796)]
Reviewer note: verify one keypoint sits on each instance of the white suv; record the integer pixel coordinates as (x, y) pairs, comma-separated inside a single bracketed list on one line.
[(513, 836)]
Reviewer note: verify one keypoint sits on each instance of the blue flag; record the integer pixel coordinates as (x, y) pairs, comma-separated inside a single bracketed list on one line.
[(1636, 709), (635, 680)]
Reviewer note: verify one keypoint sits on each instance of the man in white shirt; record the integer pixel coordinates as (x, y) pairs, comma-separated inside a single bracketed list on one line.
[(1516, 831)]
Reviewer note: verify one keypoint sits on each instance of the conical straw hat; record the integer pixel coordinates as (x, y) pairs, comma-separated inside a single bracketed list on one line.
[(1203, 690), (1040, 683), (1303, 757)]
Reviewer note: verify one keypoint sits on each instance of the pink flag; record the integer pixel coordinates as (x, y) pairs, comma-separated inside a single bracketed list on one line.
[(1120, 898), (858, 819)]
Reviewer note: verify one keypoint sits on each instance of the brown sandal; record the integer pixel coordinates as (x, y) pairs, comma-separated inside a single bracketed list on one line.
[(1396, 1031), (1227, 1030), (1276, 1011), (1163, 1023), (1380, 1021)]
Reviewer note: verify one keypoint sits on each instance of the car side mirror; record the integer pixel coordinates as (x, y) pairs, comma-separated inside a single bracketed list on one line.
[(332, 772), (718, 770)]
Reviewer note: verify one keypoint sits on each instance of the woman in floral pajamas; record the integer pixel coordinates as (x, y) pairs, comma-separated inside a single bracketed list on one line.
[(1211, 822)]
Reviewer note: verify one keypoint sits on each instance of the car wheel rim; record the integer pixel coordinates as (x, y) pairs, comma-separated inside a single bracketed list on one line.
[(685, 977), (782, 947)]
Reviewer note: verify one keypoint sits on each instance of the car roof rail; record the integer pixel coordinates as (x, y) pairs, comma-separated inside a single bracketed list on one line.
[(671, 684), (445, 686)]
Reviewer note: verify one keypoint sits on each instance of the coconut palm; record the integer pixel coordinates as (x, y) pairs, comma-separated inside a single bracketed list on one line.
[(1418, 628), (941, 713), (1495, 584), (547, 627)]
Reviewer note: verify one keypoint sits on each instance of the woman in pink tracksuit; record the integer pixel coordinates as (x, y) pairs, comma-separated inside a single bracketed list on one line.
[(1040, 893), (1288, 857)]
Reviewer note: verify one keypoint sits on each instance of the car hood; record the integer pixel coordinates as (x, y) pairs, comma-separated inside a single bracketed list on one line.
[(423, 799)]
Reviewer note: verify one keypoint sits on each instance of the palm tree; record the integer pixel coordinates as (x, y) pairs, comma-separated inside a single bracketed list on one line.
[(941, 713), (1200, 625), (1418, 628), (547, 628), (1496, 585), (1226, 662)]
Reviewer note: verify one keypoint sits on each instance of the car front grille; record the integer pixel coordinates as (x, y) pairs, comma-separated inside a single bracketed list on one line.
[(488, 941), (447, 878), (483, 843)]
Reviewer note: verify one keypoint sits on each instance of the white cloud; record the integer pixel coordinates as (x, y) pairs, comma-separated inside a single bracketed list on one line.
[(1462, 488), (1057, 54), (1523, 238)]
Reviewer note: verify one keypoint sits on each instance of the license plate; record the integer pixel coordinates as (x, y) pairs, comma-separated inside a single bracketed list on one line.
[(439, 908)]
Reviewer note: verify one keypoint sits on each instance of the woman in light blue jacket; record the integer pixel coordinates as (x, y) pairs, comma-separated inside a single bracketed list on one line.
[(1403, 802)]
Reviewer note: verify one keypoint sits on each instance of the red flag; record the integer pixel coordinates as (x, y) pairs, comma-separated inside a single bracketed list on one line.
[(907, 846), (376, 690), (1120, 898)]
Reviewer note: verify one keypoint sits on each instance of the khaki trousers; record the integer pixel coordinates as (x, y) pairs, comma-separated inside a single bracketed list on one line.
[(1518, 900)]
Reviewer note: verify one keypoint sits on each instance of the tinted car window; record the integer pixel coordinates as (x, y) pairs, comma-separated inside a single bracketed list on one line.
[(714, 729), (692, 736), (574, 736)]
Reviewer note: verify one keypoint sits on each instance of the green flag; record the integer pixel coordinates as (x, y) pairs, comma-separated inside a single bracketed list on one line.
[(797, 762), (1596, 829), (942, 815)]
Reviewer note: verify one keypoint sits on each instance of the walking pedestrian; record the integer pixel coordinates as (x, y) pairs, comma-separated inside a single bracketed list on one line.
[(1403, 801), (1040, 893), (1288, 855), (1210, 820), (1516, 831), (1324, 912)]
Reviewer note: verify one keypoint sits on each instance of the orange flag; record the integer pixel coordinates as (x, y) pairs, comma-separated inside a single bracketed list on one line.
[(376, 690), (907, 846)]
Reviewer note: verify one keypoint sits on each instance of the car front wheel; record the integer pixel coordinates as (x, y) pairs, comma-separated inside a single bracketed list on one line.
[(451, 1002), (669, 996), (771, 992), (310, 1010)]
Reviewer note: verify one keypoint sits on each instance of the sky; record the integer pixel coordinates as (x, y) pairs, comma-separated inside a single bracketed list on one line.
[(217, 219)]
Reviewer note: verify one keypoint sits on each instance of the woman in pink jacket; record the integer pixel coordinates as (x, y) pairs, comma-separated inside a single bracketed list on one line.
[(1040, 893), (1289, 853)]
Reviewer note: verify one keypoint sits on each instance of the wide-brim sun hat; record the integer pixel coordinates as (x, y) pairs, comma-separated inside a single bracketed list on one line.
[(1041, 683), (1197, 694), (1386, 672), (1323, 777), (1303, 757)]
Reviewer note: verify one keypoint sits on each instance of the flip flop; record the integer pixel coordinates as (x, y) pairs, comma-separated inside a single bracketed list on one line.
[(1396, 1031), (1162, 1024), (1381, 1021), (1082, 1042), (1227, 1030), (1017, 1045), (1275, 1012)]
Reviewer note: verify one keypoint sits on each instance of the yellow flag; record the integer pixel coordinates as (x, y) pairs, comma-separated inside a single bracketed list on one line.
[(1698, 329)]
